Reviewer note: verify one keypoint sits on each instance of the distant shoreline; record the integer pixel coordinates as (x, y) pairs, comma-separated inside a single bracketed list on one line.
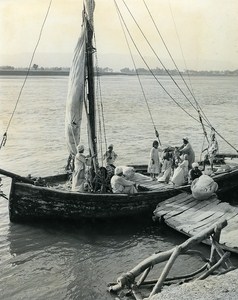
[(48, 73), (66, 73)]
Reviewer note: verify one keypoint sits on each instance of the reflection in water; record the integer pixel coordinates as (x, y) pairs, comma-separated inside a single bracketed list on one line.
[(77, 261)]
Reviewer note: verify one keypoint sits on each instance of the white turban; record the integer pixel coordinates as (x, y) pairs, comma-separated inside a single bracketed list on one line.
[(118, 170), (80, 148), (194, 165), (128, 172), (185, 138)]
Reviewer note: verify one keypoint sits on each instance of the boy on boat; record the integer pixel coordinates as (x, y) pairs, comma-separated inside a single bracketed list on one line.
[(110, 156), (154, 162)]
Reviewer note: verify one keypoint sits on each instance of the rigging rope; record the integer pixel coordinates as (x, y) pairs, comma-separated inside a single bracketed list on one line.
[(138, 76), (100, 106), (27, 74), (167, 71), (152, 73), (199, 109)]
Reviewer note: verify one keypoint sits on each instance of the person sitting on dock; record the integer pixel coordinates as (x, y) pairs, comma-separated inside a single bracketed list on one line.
[(204, 187), (110, 156), (186, 148), (120, 184), (78, 176), (194, 173)]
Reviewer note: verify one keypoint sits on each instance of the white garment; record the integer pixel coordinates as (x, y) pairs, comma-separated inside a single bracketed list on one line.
[(166, 170), (78, 179), (180, 175), (121, 185), (203, 187), (154, 162)]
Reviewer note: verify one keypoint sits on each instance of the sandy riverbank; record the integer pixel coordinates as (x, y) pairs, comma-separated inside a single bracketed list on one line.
[(213, 288)]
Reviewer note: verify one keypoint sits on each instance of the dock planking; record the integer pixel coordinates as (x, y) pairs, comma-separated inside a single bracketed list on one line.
[(190, 216)]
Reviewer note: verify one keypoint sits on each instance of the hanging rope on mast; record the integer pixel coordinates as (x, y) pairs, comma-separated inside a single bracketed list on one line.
[(4, 139), (101, 119)]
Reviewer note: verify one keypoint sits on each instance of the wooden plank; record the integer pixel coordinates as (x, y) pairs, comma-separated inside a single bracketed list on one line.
[(195, 213), (190, 216), (173, 208), (183, 218), (213, 218), (200, 215), (176, 199), (218, 212), (181, 210), (193, 210)]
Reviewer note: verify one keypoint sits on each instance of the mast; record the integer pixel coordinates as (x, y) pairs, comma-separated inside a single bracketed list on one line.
[(92, 134), (91, 90)]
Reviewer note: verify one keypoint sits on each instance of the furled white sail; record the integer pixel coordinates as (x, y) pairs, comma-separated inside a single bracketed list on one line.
[(76, 85)]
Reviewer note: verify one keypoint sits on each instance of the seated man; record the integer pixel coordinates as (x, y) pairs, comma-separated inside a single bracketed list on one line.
[(194, 172), (203, 187), (120, 184)]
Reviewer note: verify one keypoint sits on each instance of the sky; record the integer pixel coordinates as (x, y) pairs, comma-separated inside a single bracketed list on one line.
[(200, 34)]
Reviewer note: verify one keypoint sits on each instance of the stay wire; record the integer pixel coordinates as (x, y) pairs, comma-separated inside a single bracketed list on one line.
[(27, 74), (154, 74), (100, 104), (210, 126), (190, 89), (198, 106), (166, 70), (138, 76)]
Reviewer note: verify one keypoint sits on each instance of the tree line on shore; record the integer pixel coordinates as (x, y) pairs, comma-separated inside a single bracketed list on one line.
[(128, 71)]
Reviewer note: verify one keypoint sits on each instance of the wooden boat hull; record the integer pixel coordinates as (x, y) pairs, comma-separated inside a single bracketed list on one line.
[(28, 201)]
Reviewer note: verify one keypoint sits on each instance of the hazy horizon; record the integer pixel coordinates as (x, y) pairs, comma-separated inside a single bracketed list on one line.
[(63, 60), (206, 31)]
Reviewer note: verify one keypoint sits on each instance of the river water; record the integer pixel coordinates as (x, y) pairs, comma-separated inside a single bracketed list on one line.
[(76, 261)]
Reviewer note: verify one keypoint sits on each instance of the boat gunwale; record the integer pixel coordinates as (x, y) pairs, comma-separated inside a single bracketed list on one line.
[(54, 190)]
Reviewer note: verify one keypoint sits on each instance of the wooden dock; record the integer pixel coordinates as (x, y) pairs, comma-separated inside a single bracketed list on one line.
[(190, 216)]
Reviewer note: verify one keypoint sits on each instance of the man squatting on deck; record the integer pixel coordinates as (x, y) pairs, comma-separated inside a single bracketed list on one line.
[(120, 184)]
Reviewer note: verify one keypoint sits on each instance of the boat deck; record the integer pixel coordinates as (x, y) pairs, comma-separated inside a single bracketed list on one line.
[(190, 216)]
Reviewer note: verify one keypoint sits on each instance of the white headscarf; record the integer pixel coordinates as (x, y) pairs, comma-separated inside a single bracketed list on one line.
[(118, 170), (80, 148), (194, 165)]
